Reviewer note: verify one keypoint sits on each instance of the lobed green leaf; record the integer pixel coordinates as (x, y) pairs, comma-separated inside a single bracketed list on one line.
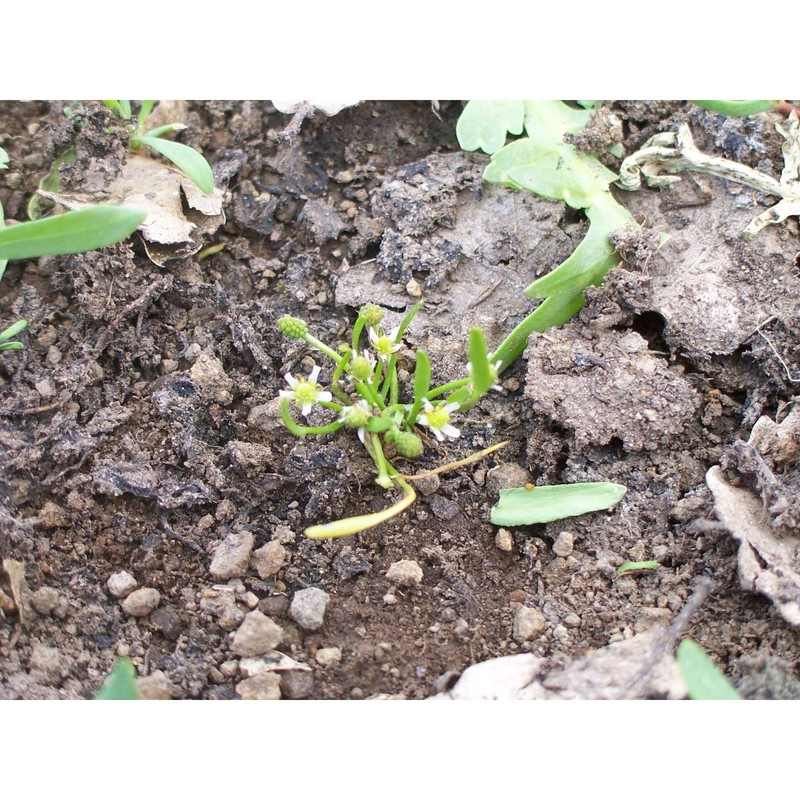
[(186, 158), (73, 232), (483, 124), (703, 679), (547, 503)]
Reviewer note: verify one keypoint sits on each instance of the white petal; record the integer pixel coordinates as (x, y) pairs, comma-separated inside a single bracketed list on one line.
[(427, 404), (324, 397), (452, 432), (291, 380), (312, 378), (306, 410), (361, 434), (438, 434), (452, 407), (285, 393), (373, 335)]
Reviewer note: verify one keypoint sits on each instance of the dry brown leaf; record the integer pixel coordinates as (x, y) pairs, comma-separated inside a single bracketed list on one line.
[(15, 573)]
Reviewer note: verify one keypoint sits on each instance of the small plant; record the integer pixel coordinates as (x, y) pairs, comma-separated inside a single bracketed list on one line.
[(120, 684), (73, 232), (703, 679), (364, 396), (531, 505), (186, 158), (545, 163)]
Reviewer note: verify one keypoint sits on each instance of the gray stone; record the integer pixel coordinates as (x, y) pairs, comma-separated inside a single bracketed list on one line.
[(328, 655), (269, 559), (264, 686), (528, 623), (44, 600), (155, 686), (141, 602), (405, 573), (504, 540), (564, 544), (308, 608), (121, 584), (232, 556), (297, 685), (257, 635), (444, 508), (507, 476)]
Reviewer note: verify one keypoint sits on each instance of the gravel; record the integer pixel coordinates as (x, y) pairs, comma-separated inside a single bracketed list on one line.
[(269, 559), (257, 635), (563, 545), (264, 686), (121, 584), (232, 556), (528, 623), (328, 655), (405, 573), (141, 602), (45, 600), (308, 608)]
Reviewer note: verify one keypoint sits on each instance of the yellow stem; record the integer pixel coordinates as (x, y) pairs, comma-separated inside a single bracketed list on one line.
[(454, 464), (351, 525)]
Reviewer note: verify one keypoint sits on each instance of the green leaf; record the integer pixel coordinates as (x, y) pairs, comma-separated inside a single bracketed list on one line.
[(144, 112), (185, 158), (174, 127), (548, 503), (73, 232), (11, 346), (120, 683), (422, 376), (3, 159), (480, 369), (736, 108), (379, 424), (637, 566), (484, 123), (703, 679), (122, 108), (13, 330)]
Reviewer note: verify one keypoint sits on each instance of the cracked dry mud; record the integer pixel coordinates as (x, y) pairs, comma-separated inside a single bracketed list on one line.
[(139, 433)]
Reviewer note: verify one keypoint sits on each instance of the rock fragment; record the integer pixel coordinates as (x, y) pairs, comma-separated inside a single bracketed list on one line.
[(45, 600), (328, 655), (264, 686), (405, 573), (308, 608), (121, 584), (528, 623), (232, 556), (141, 602), (269, 559), (257, 635)]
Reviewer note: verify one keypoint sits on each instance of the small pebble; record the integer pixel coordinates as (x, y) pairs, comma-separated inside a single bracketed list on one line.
[(405, 573), (389, 599), (121, 584), (649, 618), (45, 600), (168, 621), (504, 540), (308, 608), (328, 655), (155, 686), (528, 623), (250, 599), (257, 635), (269, 559), (232, 556), (47, 665), (428, 485), (229, 668), (507, 476), (444, 508), (564, 544), (141, 602), (572, 620), (264, 686), (297, 685)]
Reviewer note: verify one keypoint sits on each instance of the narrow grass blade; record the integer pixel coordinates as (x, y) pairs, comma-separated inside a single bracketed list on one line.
[(12, 330), (144, 112), (120, 107), (175, 127), (703, 679), (187, 159), (120, 684), (736, 108), (547, 503), (481, 370), (73, 232), (422, 376)]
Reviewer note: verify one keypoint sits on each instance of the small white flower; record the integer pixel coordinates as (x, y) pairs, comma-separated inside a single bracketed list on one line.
[(384, 343), (362, 367), (494, 369), (305, 391), (438, 420)]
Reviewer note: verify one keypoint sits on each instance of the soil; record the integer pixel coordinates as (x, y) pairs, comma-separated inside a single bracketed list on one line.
[(139, 433)]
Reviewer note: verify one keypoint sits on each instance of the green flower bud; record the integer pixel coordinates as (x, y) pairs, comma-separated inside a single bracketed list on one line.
[(407, 444), (292, 327), (357, 415), (371, 314), (362, 368)]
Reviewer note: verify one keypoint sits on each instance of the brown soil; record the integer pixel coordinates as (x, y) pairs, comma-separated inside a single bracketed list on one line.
[(138, 429)]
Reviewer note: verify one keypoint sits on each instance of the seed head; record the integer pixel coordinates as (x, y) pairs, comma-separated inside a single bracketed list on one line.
[(292, 327)]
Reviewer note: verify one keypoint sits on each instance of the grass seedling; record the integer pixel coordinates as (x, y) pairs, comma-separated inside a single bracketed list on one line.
[(543, 162), (637, 566), (364, 396), (703, 679), (538, 504), (73, 232), (186, 158), (120, 683)]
